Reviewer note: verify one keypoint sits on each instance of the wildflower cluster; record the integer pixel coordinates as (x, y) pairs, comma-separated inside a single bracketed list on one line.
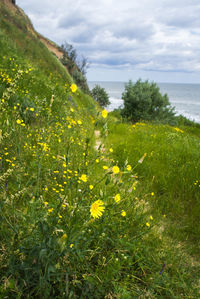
[(56, 184)]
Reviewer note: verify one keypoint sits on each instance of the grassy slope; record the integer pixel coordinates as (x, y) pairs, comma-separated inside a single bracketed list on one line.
[(50, 247), (170, 169)]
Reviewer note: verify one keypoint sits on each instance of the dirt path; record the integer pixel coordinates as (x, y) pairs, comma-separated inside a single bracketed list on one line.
[(98, 141)]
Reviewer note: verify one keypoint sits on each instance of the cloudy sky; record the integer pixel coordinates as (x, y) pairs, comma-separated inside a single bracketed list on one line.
[(152, 39)]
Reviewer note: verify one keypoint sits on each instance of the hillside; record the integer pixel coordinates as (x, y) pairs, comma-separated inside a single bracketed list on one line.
[(89, 207)]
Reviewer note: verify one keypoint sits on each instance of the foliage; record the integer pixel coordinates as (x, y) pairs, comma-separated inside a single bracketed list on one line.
[(75, 219), (51, 177), (76, 67), (170, 169), (100, 95), (143, 101)]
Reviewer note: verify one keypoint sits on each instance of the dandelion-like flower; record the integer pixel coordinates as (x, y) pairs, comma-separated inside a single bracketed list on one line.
[(83, 178), (115, 169), (123, 213), (104, 113), (73, 87), (129, 167), (117, 197), (97, 208)]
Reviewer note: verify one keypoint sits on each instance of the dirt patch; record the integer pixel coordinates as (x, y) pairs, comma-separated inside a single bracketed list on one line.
[(98, 142), (10, 5), (51, 46)]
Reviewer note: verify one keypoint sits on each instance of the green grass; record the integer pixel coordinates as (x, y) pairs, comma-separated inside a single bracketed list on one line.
[(51, 174), (170, 169)]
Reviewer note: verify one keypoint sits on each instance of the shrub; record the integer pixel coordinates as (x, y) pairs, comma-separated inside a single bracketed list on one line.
[(80, 80), (143, 101), (100, 95)]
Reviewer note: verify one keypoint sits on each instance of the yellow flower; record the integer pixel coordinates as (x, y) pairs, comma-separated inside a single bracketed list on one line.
[(105, 167), (152, 194), (97, 208), (18, 121), (91, 187), (83, 178), (104, 113), (117, 197), (178, 130), (111, 150), (115, 169), (97, 160), (129, 167), (73, 87), (147, 224), (123, 213), (151, 217), (31, 109), (71, 245)]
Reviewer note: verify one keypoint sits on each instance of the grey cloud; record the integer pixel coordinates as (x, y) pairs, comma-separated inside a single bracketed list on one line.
[(132, 31), (83, 37), (71, 21), (184, 18)]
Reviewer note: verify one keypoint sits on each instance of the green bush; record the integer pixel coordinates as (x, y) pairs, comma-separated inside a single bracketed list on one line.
[(143, 101), (100, 95)]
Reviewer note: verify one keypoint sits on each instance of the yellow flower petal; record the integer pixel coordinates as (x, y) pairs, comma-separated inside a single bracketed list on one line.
[(117, 197), (73, 87), (104, 113), (123, 213), (115, 169), (97, 208)]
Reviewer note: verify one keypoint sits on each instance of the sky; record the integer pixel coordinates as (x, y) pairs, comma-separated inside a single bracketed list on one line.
[(157, 40)]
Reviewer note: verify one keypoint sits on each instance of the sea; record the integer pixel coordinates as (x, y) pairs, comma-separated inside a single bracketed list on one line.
[(184, 97)]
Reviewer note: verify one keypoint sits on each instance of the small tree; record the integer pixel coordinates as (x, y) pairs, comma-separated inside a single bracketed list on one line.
[(100, 95), (143, 101)]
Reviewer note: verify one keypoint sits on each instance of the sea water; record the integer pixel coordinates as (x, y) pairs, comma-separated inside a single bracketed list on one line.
[(184, 97)]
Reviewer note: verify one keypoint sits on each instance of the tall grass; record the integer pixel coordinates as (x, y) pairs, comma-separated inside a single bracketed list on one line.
[(171, 169), (80, 217)]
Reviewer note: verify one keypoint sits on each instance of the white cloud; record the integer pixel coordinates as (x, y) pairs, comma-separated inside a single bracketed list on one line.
[(145, 35)]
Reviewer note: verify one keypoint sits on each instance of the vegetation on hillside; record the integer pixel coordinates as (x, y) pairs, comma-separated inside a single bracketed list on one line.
[(143, 101), (76, 67), (100, 95), (84, 214)]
